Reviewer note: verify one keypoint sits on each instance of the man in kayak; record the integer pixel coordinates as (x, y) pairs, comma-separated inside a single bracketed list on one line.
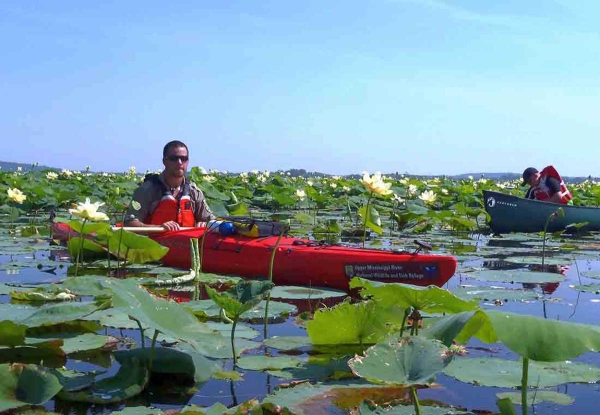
[(546, 185), (169, 199)]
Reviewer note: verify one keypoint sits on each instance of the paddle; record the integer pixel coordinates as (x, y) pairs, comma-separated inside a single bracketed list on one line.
[(143, 230)]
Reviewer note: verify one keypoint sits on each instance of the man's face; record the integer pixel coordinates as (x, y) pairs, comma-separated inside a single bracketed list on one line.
[(176, 161), (533, 180)]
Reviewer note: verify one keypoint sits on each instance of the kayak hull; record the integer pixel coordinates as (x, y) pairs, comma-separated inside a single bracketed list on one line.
[(516, 214), (298, 261)]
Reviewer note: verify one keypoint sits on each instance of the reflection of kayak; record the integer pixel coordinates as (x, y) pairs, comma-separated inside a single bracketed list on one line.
[(515, 214), (297, 261)]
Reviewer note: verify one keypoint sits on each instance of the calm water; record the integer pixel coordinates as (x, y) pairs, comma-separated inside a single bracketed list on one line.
[(560, 302)]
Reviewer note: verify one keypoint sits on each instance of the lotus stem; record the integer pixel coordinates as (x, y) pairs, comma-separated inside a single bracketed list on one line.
[(524, 385), (235, 320), (79, 253), (403, 327), (271, 266), (152, 348), (415, 399), (141, 331), (367, 217)]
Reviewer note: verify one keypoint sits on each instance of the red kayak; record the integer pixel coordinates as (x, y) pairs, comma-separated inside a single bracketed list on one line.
[(297, 261)]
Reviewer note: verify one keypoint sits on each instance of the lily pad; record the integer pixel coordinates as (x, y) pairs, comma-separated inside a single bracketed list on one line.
[(589, 288), (409, 361), (170, 318), (538, 397), (22, 385), (504, 373), (366, 409), (268, 362), (171, 361), (351, 324), (129, 381), (277, 310), (73, 343), (305, 293), (591, 274), (538, 260), (483, 293), (516, 276), (307, 399), (287, 342), (429, 299)]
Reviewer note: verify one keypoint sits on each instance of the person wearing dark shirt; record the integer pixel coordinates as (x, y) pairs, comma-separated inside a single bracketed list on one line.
[(168, 199), (546, 185)]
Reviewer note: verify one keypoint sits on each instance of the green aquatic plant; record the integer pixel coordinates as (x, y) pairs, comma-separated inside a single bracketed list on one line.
[(237, 300), (559, 213), (407, 362)]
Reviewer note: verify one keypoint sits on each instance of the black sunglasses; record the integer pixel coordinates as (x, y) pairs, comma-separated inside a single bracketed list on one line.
[(175, 158)]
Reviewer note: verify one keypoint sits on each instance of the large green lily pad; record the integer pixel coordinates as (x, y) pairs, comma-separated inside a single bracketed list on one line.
[(538, 397), (305, 293), (409, 361), (129, 381), (485, 293), (515, 276), (362, 323), (268, 362), (22, 385), (429, 299), (170, 318), (502, 373)]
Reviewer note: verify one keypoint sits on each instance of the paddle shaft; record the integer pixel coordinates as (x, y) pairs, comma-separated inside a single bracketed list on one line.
[(148, 229)]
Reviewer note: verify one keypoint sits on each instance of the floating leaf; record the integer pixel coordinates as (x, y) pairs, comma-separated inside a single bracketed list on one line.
[(544, 340), (502, 373), (519, 276), (409, 361), (538, 396), (360, 323), (22, 385), (129, 381), (429, 299), (287, 342), (267, 362)]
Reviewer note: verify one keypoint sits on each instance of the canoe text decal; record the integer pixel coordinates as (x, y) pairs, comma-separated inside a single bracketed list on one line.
[(390, 271)]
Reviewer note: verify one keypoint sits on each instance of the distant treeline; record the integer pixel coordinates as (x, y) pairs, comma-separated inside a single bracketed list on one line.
[(11, 166)]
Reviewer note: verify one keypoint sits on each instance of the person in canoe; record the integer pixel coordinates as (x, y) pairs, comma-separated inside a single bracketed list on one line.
[(169, 199), (546, 185)]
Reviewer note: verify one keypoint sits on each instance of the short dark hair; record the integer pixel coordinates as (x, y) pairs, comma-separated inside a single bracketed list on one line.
[(174, 144), (527, 173)]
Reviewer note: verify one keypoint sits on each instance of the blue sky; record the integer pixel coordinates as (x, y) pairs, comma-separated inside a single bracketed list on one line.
[(415, 86)]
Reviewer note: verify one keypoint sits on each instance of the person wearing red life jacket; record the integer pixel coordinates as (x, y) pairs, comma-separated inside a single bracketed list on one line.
[(546, 185), (168, 199)]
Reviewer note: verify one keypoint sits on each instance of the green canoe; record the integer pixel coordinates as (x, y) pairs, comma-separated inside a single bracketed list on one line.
[(516, 214)]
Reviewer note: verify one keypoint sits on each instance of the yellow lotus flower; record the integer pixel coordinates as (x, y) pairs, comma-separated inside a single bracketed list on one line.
[(300, 194), (428, 196), (376, 184), (89, 211), (51, 175), (16, 195)]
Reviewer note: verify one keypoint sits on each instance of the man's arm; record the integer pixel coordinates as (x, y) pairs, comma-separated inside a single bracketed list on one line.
[(555, 193)]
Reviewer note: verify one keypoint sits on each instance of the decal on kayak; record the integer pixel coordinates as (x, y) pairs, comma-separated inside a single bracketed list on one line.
[(390, 271), (491, 202)]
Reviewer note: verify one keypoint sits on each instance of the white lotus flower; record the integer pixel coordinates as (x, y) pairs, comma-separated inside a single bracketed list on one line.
[(16, 195), (375, 184), (428, 196), (89, 211), (300, 194), (51, 175)]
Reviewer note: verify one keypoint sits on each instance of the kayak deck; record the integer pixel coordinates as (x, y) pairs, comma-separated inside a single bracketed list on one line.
[(299, 261)]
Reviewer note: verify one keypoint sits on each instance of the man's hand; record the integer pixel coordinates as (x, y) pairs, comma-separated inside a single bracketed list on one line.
[(171, 226)]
